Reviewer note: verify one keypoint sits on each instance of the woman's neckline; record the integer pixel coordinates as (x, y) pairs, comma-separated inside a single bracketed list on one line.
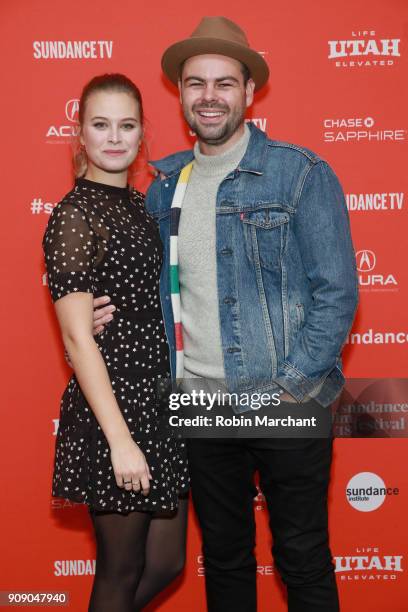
[(112, 189)]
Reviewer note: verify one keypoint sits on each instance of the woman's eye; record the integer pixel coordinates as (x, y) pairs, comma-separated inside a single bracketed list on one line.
[(128, 126), (99, 124)]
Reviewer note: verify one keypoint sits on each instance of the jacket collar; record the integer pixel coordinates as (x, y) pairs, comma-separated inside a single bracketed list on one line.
[(253, 160)]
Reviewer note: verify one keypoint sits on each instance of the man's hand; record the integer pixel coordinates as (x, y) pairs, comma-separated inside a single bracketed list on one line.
[(285, 397), (102, 313)]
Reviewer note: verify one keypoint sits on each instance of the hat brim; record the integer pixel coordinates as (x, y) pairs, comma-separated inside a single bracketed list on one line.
[(176, 54)]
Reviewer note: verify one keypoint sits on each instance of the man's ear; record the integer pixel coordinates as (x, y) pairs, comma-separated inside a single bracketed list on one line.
[(179, 88), (249, 92)]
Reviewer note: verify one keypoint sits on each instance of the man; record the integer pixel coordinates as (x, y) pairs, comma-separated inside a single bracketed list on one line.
[(259, 281)]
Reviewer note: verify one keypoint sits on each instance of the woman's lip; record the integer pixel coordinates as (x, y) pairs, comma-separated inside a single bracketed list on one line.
[(114, 152)]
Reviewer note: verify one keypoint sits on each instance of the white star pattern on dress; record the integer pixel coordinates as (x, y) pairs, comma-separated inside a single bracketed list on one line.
[(98, 239)]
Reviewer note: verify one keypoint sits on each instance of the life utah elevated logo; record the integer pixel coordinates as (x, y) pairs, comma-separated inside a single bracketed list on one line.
[(364, 49)]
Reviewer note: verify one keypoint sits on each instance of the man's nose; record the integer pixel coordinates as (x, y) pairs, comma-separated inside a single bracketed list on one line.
[(209, 93)]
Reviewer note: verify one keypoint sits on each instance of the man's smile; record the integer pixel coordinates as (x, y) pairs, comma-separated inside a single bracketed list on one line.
[(209, 116)]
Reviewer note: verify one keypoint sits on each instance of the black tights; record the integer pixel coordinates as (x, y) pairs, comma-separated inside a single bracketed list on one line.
[(138, 555)]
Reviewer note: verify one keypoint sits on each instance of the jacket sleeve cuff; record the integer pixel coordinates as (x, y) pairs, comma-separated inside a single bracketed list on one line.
[(295, 383)]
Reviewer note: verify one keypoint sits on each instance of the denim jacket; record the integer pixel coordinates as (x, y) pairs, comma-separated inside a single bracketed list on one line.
[(286, 270)]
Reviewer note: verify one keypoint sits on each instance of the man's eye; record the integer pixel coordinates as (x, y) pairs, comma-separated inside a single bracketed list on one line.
[(224, 85)]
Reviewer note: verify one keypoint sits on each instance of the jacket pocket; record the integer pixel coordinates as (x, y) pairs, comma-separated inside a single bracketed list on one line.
[(265, 233)]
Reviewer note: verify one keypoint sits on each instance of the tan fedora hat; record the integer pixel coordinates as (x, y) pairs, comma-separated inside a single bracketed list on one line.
[(216, 35)]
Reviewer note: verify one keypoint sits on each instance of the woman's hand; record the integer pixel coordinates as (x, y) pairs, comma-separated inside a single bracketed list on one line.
[(130, 467)]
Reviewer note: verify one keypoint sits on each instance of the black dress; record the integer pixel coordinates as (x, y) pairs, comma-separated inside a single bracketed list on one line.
[(101, 240)]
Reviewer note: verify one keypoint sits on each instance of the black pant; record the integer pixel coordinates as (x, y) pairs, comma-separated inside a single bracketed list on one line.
[(294, 476)]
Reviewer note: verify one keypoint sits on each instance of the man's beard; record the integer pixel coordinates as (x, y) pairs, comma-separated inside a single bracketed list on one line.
[(213, 134)]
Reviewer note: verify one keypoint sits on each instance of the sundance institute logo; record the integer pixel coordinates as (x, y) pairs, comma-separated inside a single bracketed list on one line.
[(366, 491)]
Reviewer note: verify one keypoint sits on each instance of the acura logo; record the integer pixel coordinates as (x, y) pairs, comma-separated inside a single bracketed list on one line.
[(365, 261), (71, 110)]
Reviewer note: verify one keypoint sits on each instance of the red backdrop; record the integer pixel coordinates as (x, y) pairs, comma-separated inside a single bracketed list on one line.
[(338, 86)]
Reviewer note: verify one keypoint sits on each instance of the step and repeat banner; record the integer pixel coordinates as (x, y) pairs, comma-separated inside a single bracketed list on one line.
[(339, 87)]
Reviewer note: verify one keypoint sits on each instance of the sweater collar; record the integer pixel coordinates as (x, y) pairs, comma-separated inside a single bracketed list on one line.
[(253, 160), (222, 164)]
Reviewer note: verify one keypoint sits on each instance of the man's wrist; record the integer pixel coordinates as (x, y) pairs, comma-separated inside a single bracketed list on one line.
[(284, 396)]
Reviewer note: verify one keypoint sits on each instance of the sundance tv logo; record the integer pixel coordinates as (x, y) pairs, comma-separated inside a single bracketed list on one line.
[(364, 48), (72, 49), (378, 337), (259, 122), (366, 491), (63, 133), (359, 129), (370, 280), (366, 564), (74, 567), (365, 202)]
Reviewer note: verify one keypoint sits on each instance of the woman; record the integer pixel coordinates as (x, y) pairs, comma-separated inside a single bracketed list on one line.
[(109, 451)]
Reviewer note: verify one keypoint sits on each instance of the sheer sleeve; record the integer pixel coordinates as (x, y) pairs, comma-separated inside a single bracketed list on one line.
[(70, 248)]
